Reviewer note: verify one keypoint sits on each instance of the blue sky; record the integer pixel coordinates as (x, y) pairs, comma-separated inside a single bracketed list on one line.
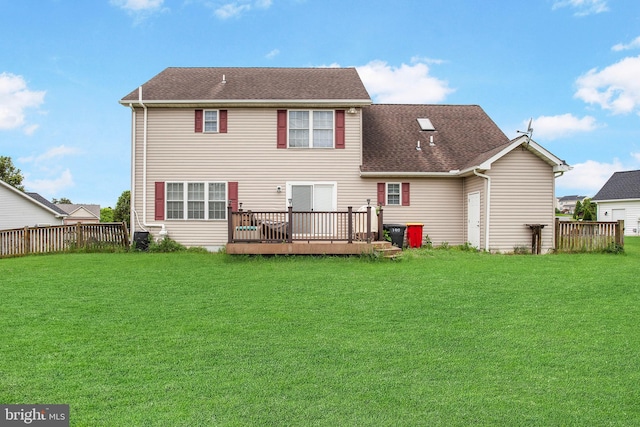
[(571, 65)]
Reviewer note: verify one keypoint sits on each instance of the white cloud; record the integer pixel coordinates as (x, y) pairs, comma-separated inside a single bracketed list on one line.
[(15, 98), (583, 7), (54, 152), (615, 88), (138, 5), (238, 7), (50, 187), (273, 54), (563, 125), (588, 177), (402, 85), (634, 44), (426, 60)]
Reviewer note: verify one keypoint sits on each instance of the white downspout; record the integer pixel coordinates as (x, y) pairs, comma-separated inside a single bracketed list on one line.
[(144, 168), (132, 208), (488, 209)]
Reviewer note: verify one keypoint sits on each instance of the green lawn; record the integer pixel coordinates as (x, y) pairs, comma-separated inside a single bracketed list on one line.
[(437, 338)]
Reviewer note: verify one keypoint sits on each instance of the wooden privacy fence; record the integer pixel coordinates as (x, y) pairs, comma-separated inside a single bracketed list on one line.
[(587, 236), (60, 238)]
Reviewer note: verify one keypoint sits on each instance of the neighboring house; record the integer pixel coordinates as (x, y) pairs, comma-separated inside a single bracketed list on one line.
[(20, 209), (86, 214), (567, 204), (619, 199), (264, 136)]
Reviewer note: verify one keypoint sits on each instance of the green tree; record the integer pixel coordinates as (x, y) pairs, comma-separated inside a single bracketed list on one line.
[(62, 201), (122, 212), (106, 214), (10, 174), (577, 211)]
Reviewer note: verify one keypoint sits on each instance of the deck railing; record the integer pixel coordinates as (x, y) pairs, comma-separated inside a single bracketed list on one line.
[(587, 236), (290, 226), (60, 238)]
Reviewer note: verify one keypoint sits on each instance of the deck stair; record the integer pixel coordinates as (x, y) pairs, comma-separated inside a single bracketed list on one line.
[(387, 250)]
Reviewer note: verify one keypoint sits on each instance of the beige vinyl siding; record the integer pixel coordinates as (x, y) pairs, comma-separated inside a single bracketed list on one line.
[(435, 202), (522, 192), (247, 154)]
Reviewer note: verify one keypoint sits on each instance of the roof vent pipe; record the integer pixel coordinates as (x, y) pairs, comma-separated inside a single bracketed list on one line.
[(224, 78), (418, 146), (431, 143)]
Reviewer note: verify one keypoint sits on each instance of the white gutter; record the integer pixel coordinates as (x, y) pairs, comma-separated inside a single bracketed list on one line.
[(488, 208)]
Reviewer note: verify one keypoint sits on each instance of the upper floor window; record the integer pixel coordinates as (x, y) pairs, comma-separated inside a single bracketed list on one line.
[(311, 129), (211, 120), (393, 194)]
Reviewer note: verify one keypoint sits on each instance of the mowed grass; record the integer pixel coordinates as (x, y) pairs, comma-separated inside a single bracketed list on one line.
[(438, 338)]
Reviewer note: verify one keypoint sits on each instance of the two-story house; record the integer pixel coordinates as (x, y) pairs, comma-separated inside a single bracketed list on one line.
[(268, 137)]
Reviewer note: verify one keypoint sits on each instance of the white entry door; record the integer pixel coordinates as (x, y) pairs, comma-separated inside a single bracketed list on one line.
[(473, 219)]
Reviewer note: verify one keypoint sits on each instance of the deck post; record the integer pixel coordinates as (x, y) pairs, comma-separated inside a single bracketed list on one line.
[(289, 224), (229, 223), (380, 222), (368, 223), (350, 224)]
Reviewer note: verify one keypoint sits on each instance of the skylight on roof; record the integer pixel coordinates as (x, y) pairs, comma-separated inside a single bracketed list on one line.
[(425, 124)]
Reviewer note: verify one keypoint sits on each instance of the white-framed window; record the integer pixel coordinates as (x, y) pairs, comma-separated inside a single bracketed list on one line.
[(393, 193), (175, 200), (217, 200), (311, 129), (196, 200), (211, 120)]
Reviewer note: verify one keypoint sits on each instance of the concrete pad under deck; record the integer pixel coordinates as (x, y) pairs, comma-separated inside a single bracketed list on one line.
[(302, 248)]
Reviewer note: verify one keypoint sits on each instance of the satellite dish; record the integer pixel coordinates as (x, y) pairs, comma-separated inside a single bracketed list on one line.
[(529, 128)]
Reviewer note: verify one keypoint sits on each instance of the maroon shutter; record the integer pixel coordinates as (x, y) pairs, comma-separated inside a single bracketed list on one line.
[(198, 120), (339, 128), (223, 121), (382, 192), (405, 194), (233, 195), (159, 201), (282, 129)]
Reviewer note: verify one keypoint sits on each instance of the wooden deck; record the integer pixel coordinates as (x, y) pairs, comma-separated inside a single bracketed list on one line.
[(311, 248), (305, 233)]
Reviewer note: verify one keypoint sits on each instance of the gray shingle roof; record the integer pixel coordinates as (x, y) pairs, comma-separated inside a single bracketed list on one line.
[(464, 136), (206, 84), (71, 208), (45, 202), (621, 185)]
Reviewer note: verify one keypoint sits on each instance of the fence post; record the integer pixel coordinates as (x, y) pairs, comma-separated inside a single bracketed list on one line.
[(27, 241), (79, 239), (620, 233), (556, 233)]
